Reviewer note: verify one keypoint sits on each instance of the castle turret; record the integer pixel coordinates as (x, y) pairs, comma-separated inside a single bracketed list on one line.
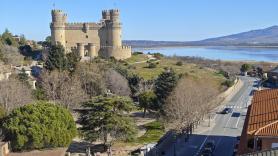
[(106, 15), (57, 26), (114, 29), (92, 50), (81, 49)]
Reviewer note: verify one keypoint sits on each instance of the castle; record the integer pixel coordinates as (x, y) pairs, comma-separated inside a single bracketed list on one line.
[(90, 39)]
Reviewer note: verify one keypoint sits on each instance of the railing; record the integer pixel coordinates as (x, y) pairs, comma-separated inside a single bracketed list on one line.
[(270, 152)]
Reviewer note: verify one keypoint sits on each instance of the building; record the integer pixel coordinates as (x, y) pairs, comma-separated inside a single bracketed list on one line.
[(90, 39), (272, 76), (260, 130)]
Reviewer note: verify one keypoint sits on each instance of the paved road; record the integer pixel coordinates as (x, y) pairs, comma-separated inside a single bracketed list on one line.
[(225, 128)]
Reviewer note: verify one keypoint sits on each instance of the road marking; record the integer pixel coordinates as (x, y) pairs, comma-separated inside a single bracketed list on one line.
[(237, 122), (239, 99), (238, 102)]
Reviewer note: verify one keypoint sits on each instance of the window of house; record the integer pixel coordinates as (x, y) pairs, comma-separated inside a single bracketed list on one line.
[(250, 143), (87, 36)]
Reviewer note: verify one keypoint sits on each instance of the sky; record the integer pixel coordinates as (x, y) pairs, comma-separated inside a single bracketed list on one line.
[(162, 20)]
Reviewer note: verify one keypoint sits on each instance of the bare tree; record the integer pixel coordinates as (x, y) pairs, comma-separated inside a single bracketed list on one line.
[(62, 88), (188, 103), (116, 83), (11, 55), (14, 94), (92, 77)]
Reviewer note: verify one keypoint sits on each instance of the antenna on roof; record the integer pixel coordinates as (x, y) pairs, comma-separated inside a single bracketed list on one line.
[(54, 5)]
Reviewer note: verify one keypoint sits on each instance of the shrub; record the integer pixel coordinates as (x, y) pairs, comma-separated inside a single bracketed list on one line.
[(228, 83), (152, 65), (179, 63), (245, 67), (137, 53), (158, 55), (39, 125)]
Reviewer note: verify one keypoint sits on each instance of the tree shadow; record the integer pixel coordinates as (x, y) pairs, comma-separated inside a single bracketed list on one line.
[(80, 147)]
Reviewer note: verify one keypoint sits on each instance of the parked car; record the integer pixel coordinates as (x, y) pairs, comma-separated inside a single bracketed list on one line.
[(236, 148), (226, 111), (236, 145), (206, 153), (210, 145)]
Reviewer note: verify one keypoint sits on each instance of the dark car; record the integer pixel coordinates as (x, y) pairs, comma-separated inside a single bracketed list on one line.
[(206, 153), (226, 111), (210, 145)]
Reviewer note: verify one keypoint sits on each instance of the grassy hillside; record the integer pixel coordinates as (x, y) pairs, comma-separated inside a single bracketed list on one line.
[(139, 65)]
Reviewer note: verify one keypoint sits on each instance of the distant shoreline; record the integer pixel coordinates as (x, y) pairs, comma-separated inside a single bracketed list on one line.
[(159, 47)]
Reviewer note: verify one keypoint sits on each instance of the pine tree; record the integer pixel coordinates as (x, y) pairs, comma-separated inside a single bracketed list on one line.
[(106, 118), (56, 58), (164, 85), (148, 101)]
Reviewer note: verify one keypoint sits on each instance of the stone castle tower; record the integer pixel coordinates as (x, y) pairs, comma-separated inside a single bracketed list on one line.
[(90, 39)]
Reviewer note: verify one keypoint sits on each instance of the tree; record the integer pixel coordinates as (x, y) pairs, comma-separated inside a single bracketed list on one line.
[(8, 39), (116, 83), (72, 60), (22, 41), (11, 55), (23, 77), (188, 103), (56, 58), (106, 118), (13, 94), (148, 101), (134, 84), (39, 125), (91, 76), (245, 67), (63, 88), (164, 85)]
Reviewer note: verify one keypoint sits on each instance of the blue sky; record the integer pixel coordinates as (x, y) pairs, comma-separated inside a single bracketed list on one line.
[(177, 20)]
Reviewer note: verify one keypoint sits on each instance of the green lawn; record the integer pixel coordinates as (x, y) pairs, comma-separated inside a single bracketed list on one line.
[(154, 132)]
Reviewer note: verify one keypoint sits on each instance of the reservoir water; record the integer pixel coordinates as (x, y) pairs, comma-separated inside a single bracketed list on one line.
[(221, 53)]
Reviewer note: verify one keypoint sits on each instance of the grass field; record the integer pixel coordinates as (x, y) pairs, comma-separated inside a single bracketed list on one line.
[(154, 132), (193, 70)]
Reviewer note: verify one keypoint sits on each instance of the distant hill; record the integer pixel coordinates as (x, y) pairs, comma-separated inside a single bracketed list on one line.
[(260, 37), (268, 36)]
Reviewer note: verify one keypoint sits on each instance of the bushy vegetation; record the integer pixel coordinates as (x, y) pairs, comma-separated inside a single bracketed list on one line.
[(152, 65), (179, 63), (228, 83), (137, 53), (245, 67), (39, 125)]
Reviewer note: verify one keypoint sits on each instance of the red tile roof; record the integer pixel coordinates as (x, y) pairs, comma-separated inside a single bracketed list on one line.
[(263, 117)]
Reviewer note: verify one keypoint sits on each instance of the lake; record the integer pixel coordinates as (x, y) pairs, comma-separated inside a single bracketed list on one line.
[(222, 53)]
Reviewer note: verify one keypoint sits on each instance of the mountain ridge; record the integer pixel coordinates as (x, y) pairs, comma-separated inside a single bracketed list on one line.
[(258, 37)]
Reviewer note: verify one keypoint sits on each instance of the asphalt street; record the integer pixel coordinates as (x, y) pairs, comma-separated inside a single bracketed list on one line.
[(225, 129)]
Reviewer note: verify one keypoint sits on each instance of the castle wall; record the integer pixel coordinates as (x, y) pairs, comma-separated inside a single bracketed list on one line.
[(119, 53), (90, 39), (79, 36)]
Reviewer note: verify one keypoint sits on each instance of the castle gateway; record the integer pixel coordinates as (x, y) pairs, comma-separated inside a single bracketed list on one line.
[(90, 39)]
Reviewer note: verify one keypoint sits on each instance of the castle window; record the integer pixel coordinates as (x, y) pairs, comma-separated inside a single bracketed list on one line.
[(87, 36), (66, 41)]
